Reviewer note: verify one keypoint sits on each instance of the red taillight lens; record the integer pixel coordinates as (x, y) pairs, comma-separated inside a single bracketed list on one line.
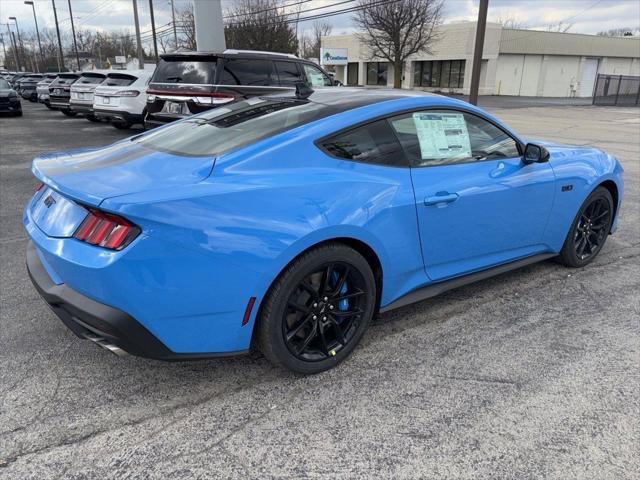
[(106, 230)]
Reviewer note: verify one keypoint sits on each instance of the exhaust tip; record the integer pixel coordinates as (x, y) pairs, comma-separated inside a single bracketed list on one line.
[(107, 346)]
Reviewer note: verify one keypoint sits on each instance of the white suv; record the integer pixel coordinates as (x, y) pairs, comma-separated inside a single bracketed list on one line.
[(81, 99), (122, 97)]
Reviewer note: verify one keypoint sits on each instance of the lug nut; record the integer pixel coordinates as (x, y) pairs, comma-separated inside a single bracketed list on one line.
[(315, 317), (330, 307)]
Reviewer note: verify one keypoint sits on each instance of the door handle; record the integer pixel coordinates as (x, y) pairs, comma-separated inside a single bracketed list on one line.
[(441, 198)]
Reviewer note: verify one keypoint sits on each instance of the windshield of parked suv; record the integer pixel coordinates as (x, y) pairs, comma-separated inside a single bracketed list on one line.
[(91, 79), (65, 80), (184, 71), (240, 124), (4, 85), (119, 80)]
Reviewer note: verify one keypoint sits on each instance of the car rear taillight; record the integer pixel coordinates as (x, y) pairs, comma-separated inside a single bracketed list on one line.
[(128, 93), (106, 230)]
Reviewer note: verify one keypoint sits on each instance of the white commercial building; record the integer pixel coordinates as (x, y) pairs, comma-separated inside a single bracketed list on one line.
[(514, 62)]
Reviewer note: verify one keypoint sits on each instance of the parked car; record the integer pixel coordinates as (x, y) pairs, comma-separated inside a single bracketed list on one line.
[(60, 92), (121, 99), (81, 100), (288, 221), (28, 85), (42, 88), (15, 78), (192, 82), (9, 99)]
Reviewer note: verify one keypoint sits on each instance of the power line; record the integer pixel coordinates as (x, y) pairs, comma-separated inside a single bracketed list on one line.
[(267, 9)]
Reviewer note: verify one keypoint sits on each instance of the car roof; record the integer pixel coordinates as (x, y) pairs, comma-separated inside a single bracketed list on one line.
[(346, 98), (231, 53)]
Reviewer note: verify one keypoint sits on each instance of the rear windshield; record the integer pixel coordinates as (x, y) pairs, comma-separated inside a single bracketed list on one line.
[(227, 128), (184, 71), (119, 80), (66, 80), (91, 79)]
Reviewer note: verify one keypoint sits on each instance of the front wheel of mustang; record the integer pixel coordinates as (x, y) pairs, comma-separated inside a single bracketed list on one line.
[(318, 309)]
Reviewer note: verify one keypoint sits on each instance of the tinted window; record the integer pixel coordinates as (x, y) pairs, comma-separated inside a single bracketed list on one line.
[(4, 85), (66, 80), (226, 128), (288, 73), (442, 137), (316, 77), (179, 71), (119, 80), (371, 143), (246, 71), (91, 79)]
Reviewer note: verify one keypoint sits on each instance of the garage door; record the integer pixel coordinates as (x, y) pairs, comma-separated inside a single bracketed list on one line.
[(588, 78)]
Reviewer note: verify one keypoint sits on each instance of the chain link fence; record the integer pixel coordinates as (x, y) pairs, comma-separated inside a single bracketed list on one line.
[(622, 90)]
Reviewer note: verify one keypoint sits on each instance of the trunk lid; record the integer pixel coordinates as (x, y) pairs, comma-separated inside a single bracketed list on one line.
[(93, 175)]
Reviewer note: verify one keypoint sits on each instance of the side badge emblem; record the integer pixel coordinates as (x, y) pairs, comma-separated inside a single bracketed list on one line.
[(49, 201), (567, 188)]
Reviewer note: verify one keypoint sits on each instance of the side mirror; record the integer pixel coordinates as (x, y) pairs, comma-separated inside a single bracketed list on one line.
[(535, 154), (337, 83)]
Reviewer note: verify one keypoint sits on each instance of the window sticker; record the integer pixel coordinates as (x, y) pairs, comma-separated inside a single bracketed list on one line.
[(442, 135)]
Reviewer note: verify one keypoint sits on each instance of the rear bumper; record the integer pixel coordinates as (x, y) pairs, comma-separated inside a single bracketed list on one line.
[(105, 325), (117, 115), (81, 108)]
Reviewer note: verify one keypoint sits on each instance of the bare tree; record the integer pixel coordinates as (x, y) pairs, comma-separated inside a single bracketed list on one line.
[(187, 27), (512, 23), (561, 27), (396, 30), (620, 32), (260, 25)]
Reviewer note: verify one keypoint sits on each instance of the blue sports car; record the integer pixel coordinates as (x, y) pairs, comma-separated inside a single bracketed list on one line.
[(285, 223)]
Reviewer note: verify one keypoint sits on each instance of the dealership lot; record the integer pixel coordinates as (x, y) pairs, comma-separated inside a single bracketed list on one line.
[(530, 374)]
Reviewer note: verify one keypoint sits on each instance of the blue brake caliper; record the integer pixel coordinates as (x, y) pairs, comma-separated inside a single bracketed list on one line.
[(342, 304)]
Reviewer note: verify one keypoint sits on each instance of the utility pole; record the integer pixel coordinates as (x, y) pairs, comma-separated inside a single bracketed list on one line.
[(175, 30), (73, 32), (477, 53), (60, 55), (153, 30), (138, 41), (35, 19)]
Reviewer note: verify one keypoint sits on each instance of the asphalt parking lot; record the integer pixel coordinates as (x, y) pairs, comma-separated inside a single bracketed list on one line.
[(533, 374)]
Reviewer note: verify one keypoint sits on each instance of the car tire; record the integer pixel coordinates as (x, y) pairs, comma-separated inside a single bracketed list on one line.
[(69, 113), (589, 229), (93, 118), (18, 113), (304, 324), (121, 125), (48, 105)]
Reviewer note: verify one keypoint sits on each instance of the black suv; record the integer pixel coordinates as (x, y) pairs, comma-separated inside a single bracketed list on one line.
[(60, 94), (192, 82)]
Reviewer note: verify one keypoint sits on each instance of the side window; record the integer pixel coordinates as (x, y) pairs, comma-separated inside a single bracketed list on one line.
[(371, 143), (247, 71), (446, 137), (316, 77), (289, 73)]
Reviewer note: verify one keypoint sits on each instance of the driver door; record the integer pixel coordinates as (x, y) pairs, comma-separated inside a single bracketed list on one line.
[(478, 205)]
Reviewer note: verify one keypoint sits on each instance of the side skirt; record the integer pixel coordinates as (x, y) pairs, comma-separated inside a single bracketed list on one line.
[(437, 288)]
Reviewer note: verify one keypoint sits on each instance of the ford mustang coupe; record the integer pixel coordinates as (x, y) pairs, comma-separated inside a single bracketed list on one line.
[(286, 222)]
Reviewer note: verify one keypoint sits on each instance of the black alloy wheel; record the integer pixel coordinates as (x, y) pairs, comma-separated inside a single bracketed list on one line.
[(318, 309), (589, 230), (323, 312)]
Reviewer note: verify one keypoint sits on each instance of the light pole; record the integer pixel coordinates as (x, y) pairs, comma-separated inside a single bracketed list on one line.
[(35, 19), (60, 55), (12, 39), (73, 31), (4, 49), (21, 47)]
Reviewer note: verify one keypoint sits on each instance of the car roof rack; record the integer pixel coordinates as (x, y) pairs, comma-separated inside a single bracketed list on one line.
[(234, 51)]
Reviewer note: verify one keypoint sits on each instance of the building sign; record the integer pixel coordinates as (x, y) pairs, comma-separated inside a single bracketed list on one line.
[(333, 56), (121, 59)]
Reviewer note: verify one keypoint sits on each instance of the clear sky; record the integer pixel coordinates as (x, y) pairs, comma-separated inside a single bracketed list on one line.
[(586, 16)]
